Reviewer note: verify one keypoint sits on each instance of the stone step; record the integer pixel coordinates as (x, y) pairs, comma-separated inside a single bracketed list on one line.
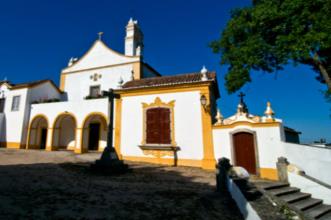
[(319, 212), (283, 191), (307, 203), (294, 197), (274, 185), (326, 216)]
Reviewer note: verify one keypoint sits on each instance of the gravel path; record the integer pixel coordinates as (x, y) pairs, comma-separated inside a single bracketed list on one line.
[(58, 185)]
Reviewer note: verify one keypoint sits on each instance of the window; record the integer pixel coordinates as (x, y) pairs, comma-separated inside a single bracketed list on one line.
[(94, 91), (158, 129), (2, 105), (16, 103)]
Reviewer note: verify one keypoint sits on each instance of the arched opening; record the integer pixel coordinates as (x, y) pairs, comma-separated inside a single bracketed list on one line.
[(94, 132), (244, 151), (38, 133), (64, 132)]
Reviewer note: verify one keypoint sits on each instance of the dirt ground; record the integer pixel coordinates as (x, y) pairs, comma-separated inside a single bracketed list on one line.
[(58, 185)]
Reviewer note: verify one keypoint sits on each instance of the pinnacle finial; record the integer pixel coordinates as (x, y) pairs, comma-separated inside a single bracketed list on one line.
[(204, 72), (100, 35), (269, 112), (219, 117)]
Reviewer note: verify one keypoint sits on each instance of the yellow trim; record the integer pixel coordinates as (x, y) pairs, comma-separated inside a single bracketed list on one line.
[(30, 128), (102, 115), (62, 82), (191, 87), (59, 128), (12, 145), (208, 161), (118, 124), (103, 121), (269, 173), (164, 161), (159, 104), (250, 124)]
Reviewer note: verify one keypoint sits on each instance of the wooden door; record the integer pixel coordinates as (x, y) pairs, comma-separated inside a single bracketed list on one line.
[(2, 105), (94, 133), (244, 150), (43, 138)]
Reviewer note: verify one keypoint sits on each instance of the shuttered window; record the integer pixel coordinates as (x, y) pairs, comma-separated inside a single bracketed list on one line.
[(16, 103), (158, 126)]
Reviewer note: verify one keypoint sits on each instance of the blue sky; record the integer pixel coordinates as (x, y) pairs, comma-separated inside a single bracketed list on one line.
[(38, 37)]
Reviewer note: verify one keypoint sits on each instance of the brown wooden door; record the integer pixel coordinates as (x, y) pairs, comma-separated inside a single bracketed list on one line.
[(244, 150), (158, 126), (94, 133)]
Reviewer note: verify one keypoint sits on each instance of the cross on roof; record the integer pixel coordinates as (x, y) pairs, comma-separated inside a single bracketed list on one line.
[(100, 35), (241, 95)]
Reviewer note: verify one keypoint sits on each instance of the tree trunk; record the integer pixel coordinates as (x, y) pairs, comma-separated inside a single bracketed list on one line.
[(323, 71), (325, 75)]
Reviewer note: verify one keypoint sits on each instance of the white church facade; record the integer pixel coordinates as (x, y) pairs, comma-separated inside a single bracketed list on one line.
[(157, 119)]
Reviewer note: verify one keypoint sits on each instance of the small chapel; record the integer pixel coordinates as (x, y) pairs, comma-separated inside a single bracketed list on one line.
[(171, 120)]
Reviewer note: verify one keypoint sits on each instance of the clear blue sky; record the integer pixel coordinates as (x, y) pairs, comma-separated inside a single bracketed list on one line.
[(37, 38)]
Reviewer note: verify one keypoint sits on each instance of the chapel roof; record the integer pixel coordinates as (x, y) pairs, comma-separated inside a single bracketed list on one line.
[(168, 80), (29, 84)]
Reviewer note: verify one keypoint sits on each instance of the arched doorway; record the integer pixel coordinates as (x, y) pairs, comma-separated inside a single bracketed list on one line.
[(64, 132), (94, 132), (38, 132), (244, 151)]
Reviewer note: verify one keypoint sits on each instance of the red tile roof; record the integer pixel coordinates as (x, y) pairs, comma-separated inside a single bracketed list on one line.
[(168, 80)]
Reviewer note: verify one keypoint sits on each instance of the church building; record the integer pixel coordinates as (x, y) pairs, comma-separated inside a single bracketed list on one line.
[(159, 119)]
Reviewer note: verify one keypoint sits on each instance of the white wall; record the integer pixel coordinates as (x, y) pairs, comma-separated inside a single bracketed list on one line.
[(43, 92), (77, 85), (99, 55), (314, 161), (188, 125), (79, 108), (148, 72), (268, 140), (13, 120), (316, 190)]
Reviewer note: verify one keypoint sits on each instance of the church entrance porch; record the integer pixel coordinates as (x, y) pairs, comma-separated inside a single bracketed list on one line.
[(64, 132), (38, 133), (244, 151), (94, 136)]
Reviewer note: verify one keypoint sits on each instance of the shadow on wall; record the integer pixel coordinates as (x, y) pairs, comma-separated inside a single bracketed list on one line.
[(3, 130), (70, 190)]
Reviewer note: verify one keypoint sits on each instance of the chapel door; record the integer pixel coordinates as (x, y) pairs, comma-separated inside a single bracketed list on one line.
[(43, 138), (244, 150), (94, 133)]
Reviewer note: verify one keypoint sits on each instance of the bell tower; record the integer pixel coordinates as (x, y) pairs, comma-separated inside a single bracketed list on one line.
[(134, 45)]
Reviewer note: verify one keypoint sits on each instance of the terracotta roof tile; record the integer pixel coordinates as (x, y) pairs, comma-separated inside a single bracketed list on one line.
[(168, 80)]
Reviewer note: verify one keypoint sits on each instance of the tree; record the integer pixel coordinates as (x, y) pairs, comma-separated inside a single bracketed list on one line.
[(272, 33)]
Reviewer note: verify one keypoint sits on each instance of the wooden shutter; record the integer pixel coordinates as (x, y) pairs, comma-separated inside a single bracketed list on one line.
[(158, 126)]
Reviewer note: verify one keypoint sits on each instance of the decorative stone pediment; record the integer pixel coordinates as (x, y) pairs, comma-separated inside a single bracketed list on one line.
[(99, 55)]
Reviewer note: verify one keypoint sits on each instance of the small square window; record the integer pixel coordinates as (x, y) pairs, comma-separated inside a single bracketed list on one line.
[(16, 103), (94, 91)]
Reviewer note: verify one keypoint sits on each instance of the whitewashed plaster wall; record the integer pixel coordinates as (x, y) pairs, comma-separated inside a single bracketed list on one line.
[(99, 55), (80, 109), (315, 161), (77, 85), (188, 124), (268, 140), (14, 120)]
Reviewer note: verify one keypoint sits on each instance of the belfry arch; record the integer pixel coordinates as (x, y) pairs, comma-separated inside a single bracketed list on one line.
[(64, 132), (37, 136)]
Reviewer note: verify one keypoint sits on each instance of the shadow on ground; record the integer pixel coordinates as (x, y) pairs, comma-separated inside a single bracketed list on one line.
[(70, 191)]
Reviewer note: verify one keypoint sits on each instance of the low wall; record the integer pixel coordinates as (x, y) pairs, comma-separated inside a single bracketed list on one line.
[(315, 161), (308, 186), (245, 208)]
